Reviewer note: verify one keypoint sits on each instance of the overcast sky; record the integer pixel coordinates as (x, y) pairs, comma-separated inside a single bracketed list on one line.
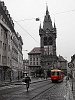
[(62, 11)]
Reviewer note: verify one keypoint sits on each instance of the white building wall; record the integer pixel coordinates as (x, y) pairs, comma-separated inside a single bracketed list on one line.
[(8, 48), (14, 57), (5, 53)]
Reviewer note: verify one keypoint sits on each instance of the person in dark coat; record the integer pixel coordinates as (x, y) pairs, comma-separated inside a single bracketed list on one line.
[(27, 81)]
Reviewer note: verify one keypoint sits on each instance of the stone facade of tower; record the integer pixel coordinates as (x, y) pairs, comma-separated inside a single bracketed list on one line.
[(48, 43)]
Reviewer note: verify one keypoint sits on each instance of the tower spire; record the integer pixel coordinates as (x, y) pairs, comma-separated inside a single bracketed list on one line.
[(47, 24), (40, 26), (54, 25), (47, 12)]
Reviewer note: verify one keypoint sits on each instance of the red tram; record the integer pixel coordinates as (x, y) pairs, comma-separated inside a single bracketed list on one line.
[(57, 75)]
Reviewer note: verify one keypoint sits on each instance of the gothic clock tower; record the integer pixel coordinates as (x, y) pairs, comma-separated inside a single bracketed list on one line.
[(48, 43)]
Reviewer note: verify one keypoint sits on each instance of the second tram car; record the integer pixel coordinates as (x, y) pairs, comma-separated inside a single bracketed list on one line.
[(57, 75)]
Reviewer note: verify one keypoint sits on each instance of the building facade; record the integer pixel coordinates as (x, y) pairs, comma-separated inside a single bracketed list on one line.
[(34, 60), (34, 57), (9, 46), (48, 42), (45, 56), (62, 64), (17, 57), (20, 57), (72, 68), (25, 67)]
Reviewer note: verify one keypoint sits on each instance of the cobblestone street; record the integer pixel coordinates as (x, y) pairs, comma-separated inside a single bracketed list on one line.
[(60, 91), (40, 89)]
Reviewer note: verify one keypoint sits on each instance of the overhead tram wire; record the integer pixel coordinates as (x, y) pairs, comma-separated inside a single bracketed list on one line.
[(25, 19), (73, 10), (26, 31), (29, 19)]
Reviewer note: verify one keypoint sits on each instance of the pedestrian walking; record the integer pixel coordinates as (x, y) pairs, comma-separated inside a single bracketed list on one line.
[(27, 81)]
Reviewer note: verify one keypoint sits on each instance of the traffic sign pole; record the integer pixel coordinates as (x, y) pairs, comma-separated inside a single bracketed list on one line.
[(71, 66)]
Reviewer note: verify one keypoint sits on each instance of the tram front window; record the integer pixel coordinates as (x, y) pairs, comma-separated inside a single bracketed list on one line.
[(55, 73)]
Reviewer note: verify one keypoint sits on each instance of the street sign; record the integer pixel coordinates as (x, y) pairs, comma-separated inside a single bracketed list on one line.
[(71, 65)]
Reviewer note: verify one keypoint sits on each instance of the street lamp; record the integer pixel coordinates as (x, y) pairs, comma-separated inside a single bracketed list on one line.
[(38, 19)]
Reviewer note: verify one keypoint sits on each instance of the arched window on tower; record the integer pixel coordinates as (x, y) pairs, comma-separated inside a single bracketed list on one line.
[(50, 41), (45, 41)]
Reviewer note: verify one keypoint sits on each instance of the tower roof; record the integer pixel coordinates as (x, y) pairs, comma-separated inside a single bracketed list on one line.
[(47, 12), (47, 24), (35, 50)]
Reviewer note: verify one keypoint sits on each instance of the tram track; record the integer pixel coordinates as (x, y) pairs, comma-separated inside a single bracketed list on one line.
[(37, 84), (48, 94), (36, 91), (43, 91)]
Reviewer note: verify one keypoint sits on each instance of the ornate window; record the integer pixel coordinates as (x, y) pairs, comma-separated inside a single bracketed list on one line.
[(4, 60), (0, 44), (45, 41), (50, 40)]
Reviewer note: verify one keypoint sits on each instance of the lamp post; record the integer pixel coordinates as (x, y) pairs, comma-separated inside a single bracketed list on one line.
[(71, 66), (38, 19)]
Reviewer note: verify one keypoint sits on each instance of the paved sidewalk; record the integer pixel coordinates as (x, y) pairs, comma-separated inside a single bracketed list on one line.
[(69, 94), (8, 83), (18, 82), (73, 92)]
